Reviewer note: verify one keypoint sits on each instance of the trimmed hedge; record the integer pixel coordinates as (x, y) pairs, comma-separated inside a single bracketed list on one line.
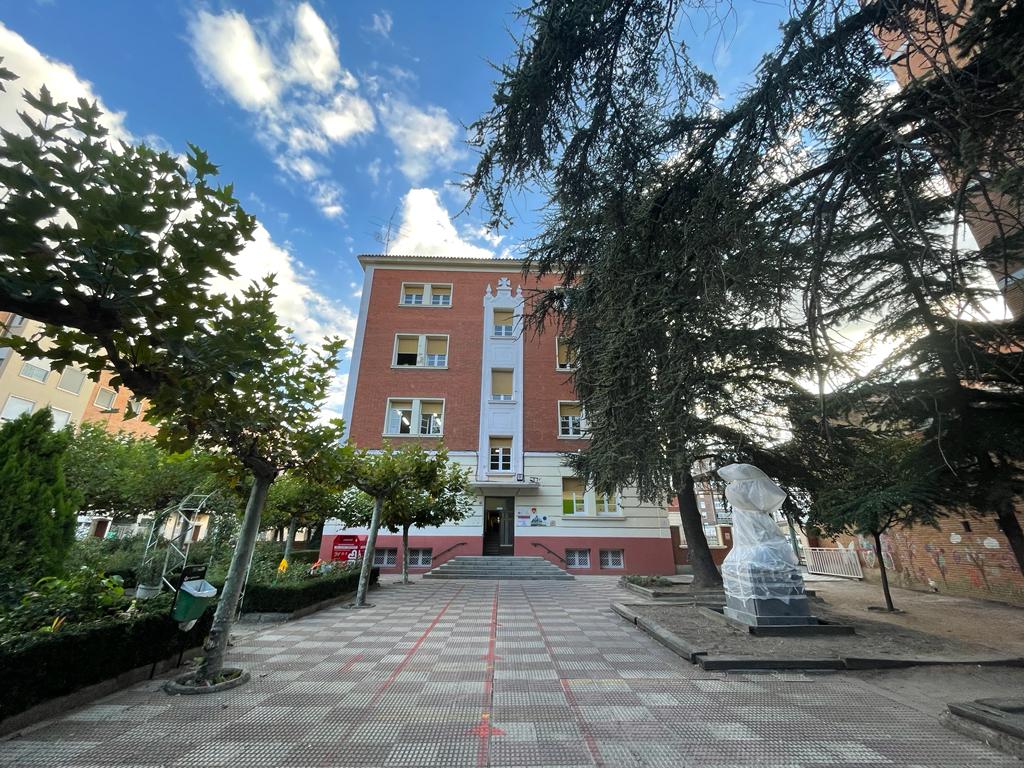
[(289, 596), (37, 667)]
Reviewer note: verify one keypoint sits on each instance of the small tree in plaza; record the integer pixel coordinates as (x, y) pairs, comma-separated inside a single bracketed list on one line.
[(446, 500), (115, 250), (295, 501), (37, 509), (385, 475), (878, 484)]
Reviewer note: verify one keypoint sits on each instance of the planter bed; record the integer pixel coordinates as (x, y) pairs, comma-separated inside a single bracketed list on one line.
[(38, 667)]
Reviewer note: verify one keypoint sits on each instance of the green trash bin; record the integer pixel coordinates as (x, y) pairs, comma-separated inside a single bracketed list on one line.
[(193, 599)]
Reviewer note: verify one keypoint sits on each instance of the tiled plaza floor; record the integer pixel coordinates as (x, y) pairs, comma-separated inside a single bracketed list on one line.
[(478, 673)]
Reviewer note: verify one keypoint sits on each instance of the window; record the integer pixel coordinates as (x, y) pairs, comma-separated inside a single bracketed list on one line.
[(71, 380), (60, 417), (572, 496), (105, 399), (415, 417), (430, 417), (419, 351), (606, 505), (426, 294), (15, 321), (440, 295), (612, 558), (577, 558), (504, 322), (501, 385), (35, 369), (412, 294), (899, 53), (501, 454), (566, 360), (570, 420), (15, 407), (437, 351), (420, 557), (385, 558), (134, 406), (711, 534), (407, 350)]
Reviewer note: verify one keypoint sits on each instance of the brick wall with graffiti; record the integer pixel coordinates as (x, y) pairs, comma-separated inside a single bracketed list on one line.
[(968, 557)]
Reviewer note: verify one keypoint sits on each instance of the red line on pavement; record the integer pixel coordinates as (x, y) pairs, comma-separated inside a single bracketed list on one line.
[(415, 647), (570, 697), (485, 730), (351, 662)]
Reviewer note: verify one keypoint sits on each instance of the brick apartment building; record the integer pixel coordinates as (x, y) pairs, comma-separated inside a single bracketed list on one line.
[(441, 354)]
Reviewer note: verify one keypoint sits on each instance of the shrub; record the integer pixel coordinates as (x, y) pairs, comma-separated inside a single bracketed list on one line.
[(291, 594), (36, 667)]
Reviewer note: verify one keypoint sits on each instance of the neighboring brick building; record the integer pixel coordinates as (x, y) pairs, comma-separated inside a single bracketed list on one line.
[(28, 385), (969, 557), (441, 353)]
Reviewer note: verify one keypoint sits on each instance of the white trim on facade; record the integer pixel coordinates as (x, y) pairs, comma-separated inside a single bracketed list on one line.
[(357, 349)]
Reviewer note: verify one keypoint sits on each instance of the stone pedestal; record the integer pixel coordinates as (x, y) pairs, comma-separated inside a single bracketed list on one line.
[(773, 598)]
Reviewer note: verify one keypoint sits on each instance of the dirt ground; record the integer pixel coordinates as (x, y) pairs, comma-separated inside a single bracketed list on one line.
[(873, 639), (998, 627)]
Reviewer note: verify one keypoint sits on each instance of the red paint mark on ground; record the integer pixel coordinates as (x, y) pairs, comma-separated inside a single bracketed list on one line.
[(484, 730), (411, 652), (352, 662)]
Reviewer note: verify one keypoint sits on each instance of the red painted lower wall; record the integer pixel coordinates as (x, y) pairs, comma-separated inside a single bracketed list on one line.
[(649, 556)]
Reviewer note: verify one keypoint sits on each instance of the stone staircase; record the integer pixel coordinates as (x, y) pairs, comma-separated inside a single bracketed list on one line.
[(510, 568)]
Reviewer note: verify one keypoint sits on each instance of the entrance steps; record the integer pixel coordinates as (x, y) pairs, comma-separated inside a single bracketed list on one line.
[(497, 567)]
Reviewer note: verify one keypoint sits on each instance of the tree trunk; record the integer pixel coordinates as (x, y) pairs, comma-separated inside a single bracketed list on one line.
[(882, 572), (293, 527), (317, 535), (217, 641), (405, 554), (698, 553), (371, 542), (1010, 526)]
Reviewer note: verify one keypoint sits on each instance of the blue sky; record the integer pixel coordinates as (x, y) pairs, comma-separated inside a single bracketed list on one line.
[(332, 119)]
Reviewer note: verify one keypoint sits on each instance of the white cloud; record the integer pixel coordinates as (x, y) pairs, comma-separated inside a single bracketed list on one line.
[(373, 170), (424, 139), (426, 229), (229, 54), (303, 100), (35, 70), (382, 23)]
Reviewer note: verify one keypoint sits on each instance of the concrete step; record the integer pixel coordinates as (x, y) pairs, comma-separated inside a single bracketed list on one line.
[(501, 576), (498, 567)]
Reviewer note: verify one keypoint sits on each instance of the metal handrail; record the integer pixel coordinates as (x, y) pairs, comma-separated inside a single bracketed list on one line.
[(435, 558), (544, 546)]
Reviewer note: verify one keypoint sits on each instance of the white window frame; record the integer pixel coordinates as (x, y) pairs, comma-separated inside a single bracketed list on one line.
[(422, 358), (612, 559), (579, 506), (503, 331), (577, 558), (34, 363), (113, 399), (7, 404), (501, 454), (54, 411), (509, 398), (420, 557), (582, 421), (417, 414), (60, 381), (558, 366), (428, 295), (385, 557)]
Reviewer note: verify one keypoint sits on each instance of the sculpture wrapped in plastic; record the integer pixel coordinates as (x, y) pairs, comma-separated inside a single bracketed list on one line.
[(761, 574)]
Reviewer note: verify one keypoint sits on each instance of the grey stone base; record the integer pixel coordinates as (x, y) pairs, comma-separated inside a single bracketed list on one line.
[(770, 612)]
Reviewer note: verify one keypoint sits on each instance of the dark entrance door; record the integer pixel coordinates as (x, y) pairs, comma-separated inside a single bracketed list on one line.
[(499, 525)]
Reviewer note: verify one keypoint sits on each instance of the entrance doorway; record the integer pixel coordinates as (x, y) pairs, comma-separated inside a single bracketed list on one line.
[(499, 525)]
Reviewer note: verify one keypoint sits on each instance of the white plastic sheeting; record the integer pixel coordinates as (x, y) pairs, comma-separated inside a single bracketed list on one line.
[(761, 565)]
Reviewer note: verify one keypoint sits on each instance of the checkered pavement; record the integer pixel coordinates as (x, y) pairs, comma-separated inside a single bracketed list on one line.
[(481, 673)]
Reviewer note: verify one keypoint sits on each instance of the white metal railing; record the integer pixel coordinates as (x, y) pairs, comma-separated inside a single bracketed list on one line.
[(833, 561)]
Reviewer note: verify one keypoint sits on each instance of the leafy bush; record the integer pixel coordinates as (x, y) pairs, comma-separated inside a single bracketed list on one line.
[(299, 590), (83, 596), (36, 667), (648, 581)]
